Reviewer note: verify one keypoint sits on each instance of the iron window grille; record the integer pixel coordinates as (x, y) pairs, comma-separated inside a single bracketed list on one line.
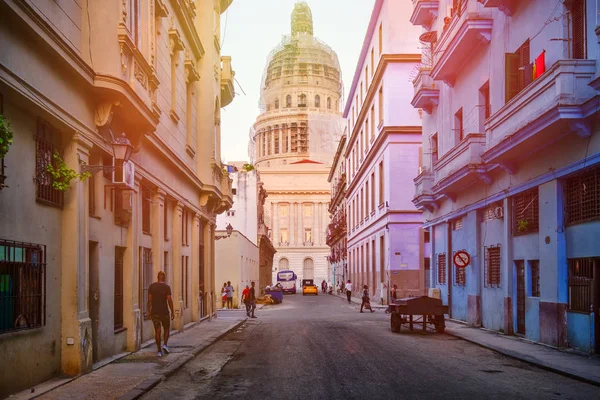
[(460, 275), (526, 212), (535, 278), (46, 145), (582, 196), (441, 268), (118, 289), (22, 286), (147, 271), (581, 276), (492, 266), (457, 224)]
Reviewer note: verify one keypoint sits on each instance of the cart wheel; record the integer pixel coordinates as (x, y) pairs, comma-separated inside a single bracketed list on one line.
[(396, 323), (440, 324)]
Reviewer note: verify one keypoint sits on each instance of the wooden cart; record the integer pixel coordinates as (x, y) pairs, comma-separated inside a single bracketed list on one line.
[(408, 310)]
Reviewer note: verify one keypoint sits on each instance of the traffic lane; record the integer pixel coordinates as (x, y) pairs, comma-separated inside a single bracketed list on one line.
[(325, 349)]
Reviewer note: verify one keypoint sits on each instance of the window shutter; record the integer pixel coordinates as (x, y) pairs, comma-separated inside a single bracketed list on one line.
[(525, 73), (579, 27), (511, 80)]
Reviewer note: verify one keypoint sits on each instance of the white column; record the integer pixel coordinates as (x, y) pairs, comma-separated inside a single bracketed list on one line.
[(275, 238)]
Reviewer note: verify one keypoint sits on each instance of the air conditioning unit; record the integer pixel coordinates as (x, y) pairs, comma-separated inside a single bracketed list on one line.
[(124, 174), (499, 212)]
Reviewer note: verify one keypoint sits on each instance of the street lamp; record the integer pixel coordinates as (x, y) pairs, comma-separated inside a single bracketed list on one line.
[(228, 229), (122, 150)]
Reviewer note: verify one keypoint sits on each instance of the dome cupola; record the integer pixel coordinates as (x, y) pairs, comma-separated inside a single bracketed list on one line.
[(302, 22)]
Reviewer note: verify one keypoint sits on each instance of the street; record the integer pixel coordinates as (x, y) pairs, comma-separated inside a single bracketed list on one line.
[(321, 347)]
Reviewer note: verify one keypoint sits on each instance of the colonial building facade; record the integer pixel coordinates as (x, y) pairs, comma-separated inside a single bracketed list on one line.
[(337, 238), (78, 82), (509, 93), (385, 240), (293, 142)]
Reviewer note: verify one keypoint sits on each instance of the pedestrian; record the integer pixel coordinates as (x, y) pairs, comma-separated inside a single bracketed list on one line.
[(159, 297), (252, 300), (224, 295), (366, 301), (245, 294), (230, 291), (394, 293), (349, 290)]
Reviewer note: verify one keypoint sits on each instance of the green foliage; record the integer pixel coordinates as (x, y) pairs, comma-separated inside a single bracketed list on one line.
[(6, 136), (248, 167), (522, 225), (62, 175)]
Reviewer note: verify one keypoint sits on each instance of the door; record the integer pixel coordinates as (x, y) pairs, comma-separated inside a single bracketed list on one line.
[(596, 298), (520, 296), (94, 297)]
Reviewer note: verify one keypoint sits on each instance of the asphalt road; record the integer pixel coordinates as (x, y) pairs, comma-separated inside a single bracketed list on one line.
[(322, 348)]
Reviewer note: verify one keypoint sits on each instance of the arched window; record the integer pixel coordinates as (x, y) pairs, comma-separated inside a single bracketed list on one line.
[(284, 264), (309, 269), (318, 101), (302, 100), (277, 104), (329, 103), (288, 101)]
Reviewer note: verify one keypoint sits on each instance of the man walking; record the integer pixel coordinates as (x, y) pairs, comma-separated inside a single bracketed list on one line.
[(252, 300), (245, 294), (159, 295), (230, 291), (349, 290)]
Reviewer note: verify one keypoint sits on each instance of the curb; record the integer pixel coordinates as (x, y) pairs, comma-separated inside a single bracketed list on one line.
[(518, 356), (149, 384)]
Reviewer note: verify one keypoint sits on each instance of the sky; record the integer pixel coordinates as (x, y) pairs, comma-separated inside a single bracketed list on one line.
[(250, 29)]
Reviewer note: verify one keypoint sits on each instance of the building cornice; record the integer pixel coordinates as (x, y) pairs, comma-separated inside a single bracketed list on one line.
[(336, 158), (295, 192), (373, 87)]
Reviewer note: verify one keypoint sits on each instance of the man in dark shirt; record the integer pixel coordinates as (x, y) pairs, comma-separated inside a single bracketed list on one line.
[(252, 299), (159, 294)]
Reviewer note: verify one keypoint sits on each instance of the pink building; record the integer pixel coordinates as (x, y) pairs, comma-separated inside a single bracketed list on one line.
[(385, 239)]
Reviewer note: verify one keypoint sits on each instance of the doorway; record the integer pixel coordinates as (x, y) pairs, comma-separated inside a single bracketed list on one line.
[(94, 297), (520, 271), (596, 291)]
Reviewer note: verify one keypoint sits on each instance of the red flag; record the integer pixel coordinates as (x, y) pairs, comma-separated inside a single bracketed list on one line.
[(540, 64)]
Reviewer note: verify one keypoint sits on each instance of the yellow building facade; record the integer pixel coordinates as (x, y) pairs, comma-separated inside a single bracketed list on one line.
[(75, 265), (293, 142)]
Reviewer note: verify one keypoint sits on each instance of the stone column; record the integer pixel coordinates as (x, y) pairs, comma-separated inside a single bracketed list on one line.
[(211, 270), (132, 315), (275, 223), (76, 326), (315, 228), (280, 136), (158, 232), (272, 136), (177, 278), (289, 135), (195, 267), (300, 207), (291, 223)]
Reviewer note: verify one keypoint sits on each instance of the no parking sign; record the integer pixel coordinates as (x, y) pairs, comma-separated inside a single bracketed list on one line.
[(462, 259)]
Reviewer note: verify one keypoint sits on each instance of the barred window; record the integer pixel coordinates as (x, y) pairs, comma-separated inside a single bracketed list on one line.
[(581, 276), (460, 276), (492, 266), (146, 195), (535, 278), (526, 212), (22, 286), (441, 268), (46, 145), (118, 288), (457, 224), (147, 277), (582, 196)]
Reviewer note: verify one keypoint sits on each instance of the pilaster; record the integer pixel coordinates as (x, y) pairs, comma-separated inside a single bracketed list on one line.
[(276, 235), (195, 266), (177, 278), (158, 231), (131, 274)]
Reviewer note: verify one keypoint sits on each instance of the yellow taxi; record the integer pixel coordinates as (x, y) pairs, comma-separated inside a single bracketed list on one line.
[(309, 287)]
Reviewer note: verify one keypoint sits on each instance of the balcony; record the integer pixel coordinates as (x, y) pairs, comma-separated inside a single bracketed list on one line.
[(460, 167), (426, 94), (424, 12), (506, 6), (227, 76), (423, 193), (463, 36), (552, 106)]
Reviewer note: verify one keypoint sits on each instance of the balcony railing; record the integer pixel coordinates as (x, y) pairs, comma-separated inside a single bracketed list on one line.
[(462, 36), (426, 94), (423, 192), (227, 76), (549, 108), (424, 12)]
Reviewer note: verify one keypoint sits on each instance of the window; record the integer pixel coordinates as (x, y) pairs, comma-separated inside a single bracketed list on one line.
[(526, 212), (185, 228), (582, 196), (458, 126), (373, 192), (147, 277), (233, 191), (372, 123), (283, 236), (135, 22), (46, 144), (578, 29), (276, 142), (231, 213), (302, 100), (460, 276), (518, 71), (380, 39), (146, 208), (308, 236), (434, 148), (318, 101), (457, 224), (427, 236), (308, 268), (288, 101), (277, 104), (382, 258), (22, 283), (329, 103), (381, 105), (485, 108), (381, 185), (168, 278), (118, 289), (367, 208), (166, 220), (362, 94), (534, 266), (308, 210), (427, 262), (361, 202), (581, 277), (91, 192), (372, 61), (362, 144), (185, 281), (441, 268), (492, 266), (123, 207)]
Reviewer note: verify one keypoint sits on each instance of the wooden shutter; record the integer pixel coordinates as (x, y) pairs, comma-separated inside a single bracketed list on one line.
[(511, 78), (524, 61), (118, 289), (579, 27)]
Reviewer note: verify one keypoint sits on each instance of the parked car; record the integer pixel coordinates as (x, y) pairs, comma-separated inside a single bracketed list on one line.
[(309, 287)]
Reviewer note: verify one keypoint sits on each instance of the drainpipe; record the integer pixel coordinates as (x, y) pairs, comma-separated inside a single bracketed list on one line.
[(449, 265)]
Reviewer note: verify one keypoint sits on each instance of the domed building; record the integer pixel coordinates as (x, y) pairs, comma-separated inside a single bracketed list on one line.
[(292, 144)]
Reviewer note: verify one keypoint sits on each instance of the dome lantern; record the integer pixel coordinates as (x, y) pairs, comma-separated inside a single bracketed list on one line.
[(302, 19)]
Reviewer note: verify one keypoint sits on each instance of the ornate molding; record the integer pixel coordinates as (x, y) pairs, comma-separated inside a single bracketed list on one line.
[(105, 112), (175, 42), (191, 75), (161, 9)]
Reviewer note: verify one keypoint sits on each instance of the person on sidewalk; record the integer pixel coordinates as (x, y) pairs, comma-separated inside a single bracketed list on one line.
[(224, 295), (252, 300), (245, 294), (230, 291), (349, 290), (366, 301), (159, 296)]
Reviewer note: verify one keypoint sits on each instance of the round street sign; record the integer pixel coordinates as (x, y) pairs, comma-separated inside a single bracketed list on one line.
[(462, 259)]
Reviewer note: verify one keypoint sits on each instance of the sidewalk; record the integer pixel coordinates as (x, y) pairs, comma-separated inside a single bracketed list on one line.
[(568, 363), (133, 374)]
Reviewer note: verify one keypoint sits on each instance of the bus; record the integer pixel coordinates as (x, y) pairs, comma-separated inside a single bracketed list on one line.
[(287, 279)]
